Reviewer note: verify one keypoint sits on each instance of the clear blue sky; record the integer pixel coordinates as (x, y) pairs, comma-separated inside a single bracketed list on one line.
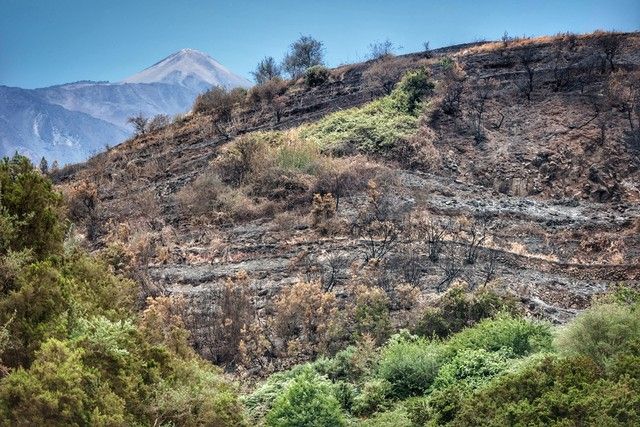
[(45, 42)]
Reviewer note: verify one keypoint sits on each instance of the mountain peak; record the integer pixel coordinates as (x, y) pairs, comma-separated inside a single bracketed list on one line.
[(191, 68)]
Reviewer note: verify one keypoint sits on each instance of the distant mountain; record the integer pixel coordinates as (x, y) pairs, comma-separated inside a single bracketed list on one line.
[(70, 122), (36, 128), (189, 68)]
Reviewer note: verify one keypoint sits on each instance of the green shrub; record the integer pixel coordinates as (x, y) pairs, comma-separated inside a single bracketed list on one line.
[(601, 332), (446, 63), (554, 392), (308, 400), (69, 333), (473, 367), (410, 366), (372, 398), (411, 91), (372, 315), (316, 75), (261, 400), (195, 395), (377, 126), (394, 418), (459, 309), (418, 410), (351, 364), (518, 336), (30, 209), (53, 385)]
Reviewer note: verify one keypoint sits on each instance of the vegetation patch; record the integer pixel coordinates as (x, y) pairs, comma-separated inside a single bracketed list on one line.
[(378, 126)]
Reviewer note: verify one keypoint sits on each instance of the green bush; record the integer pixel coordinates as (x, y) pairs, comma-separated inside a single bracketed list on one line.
[(412, 90), (69, 333), (473, 367), (554, 392), (377, 126), (372, 398), (308, 400), (394, 418), (107, 373), (459, 309), (261, 400), (30, 209), (410, 366), (518, 336), (316, 75), (601, 332)]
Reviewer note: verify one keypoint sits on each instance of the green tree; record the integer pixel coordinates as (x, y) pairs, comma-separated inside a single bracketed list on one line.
[(30, 208), (308, 400), (303, 53), (266, 70)]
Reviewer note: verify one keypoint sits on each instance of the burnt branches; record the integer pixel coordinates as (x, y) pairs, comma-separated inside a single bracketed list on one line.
[(527, 60), (477, 106), (377, 225)]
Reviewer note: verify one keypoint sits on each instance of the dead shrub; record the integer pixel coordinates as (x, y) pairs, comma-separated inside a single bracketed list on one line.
[(241, 159), (302, 319), (323, 212), (221, 317), (377, 224), (81, 200), (343, 177)]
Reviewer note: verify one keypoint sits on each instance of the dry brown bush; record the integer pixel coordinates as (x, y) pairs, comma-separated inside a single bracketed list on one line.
[(208, 198), (240, 159), (323, 214), (219, 317), (81, 200), (162, 323), (383, 74), (270, 95), (299, 329), (343, 177)]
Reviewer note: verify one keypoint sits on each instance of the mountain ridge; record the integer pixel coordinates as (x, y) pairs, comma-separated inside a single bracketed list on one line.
[(87, 115)]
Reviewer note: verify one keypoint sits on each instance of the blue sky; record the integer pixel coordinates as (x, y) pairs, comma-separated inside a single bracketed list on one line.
[(48, 42)]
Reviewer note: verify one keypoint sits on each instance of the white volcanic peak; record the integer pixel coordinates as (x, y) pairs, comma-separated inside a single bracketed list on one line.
[(189, 67)]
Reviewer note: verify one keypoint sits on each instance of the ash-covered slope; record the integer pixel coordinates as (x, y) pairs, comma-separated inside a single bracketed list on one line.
[(69, 122), (560, 202)]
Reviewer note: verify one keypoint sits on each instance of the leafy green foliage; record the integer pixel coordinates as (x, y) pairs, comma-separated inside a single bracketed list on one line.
[(500, 371), (72, 350), (373, 397), (601, 333), (316, 75), (377, 126), (30, 210), (474, 367), (308, 400), (459, 309), (393, 418), (519, 336), (555, 391), (414, 87), (409, 365)]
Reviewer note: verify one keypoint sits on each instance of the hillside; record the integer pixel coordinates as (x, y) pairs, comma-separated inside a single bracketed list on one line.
[(537, 196), (450, 237)]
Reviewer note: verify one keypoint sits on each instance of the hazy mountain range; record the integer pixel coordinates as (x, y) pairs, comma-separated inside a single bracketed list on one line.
[(70, 122)]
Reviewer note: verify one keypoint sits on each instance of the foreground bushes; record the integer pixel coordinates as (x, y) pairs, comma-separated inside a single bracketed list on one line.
[(504, 370), (72, 349)]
